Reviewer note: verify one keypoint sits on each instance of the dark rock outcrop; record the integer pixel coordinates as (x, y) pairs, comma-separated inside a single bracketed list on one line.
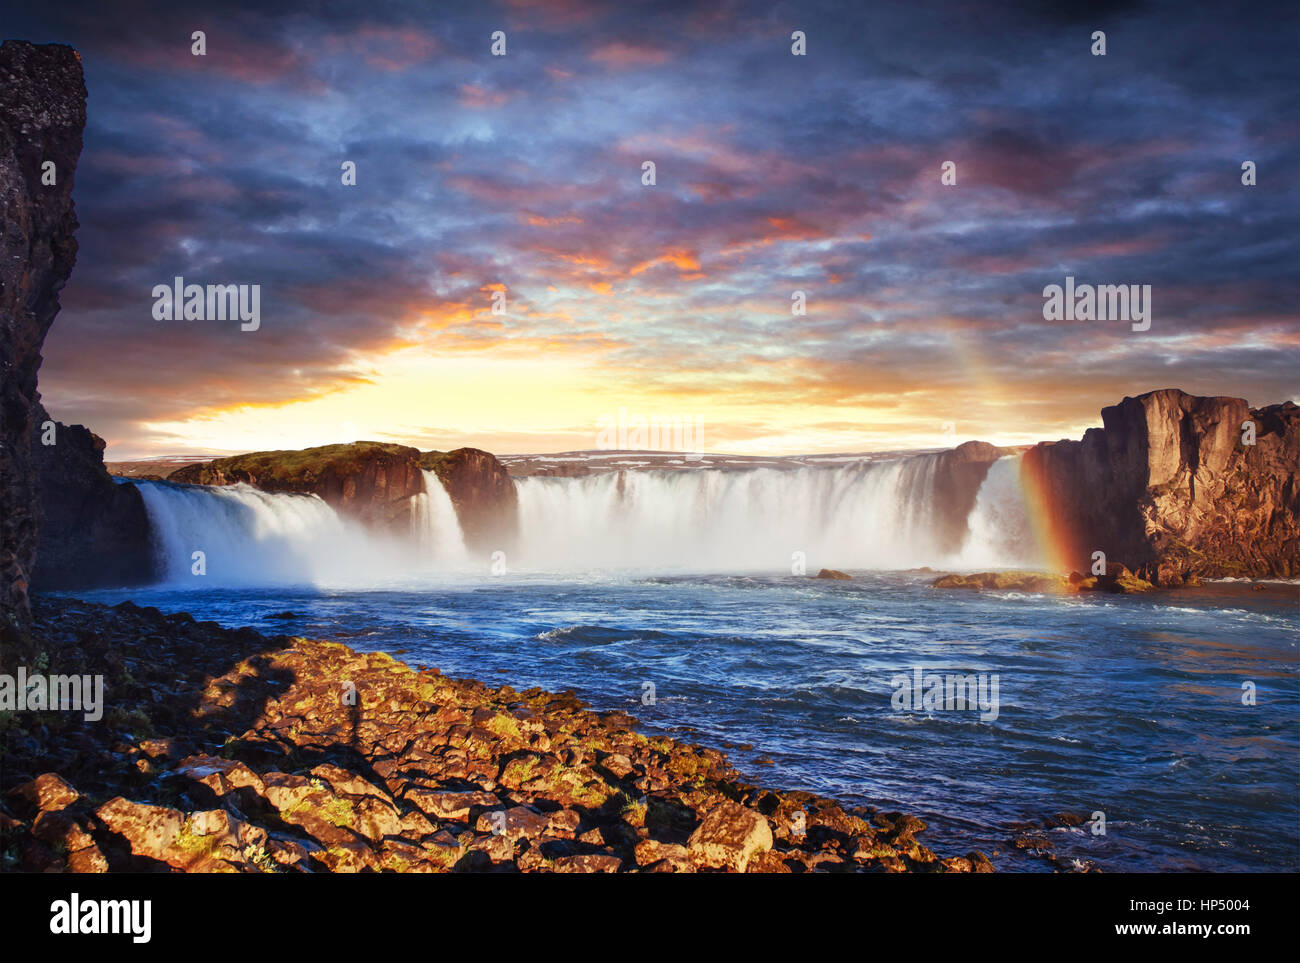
[(95, 532), (375, 482), (835, 574), (958, 475), (1169, 486), (42, 114), (1117, 580)]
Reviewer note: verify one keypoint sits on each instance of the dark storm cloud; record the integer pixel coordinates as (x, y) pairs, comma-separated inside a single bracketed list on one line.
[(774, 173)]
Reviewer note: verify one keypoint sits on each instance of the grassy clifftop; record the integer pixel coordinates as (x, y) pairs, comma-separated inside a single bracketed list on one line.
[(292, 469)]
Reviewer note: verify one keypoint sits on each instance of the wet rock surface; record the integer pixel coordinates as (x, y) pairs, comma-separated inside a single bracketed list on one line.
[(1116, 579), (224, 750)]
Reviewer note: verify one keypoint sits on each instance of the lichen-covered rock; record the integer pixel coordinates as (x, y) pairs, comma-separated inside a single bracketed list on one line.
[(728, 836), (152, 831), (1040, 582), (48, 792)]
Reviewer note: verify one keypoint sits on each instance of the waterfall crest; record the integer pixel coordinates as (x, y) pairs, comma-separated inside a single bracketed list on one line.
[(250, 537)]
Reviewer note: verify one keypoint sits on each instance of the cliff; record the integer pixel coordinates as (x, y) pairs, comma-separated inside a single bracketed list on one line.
[(374, 482), (1170, 487), (95, 533), (368, 480), (42, 114), (958, 475)]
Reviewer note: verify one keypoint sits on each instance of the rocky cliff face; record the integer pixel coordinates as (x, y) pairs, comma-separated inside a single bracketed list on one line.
[(374, 482), (42, 114), (1170, 487), (95, 533), (957, 478)]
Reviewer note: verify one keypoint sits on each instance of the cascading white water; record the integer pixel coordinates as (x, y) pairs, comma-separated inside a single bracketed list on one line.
[(862, 515), (251, 537), (435, 525), (1000, 534)]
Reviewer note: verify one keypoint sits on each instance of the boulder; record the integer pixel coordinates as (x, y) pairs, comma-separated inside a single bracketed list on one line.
[(48, 792), (728, 836), (152, 831), (834, 574)]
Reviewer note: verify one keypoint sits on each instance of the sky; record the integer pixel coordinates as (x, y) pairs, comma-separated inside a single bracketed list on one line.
[(522, 175)]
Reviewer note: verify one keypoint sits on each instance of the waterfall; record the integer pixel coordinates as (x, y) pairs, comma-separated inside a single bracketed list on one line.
[(860, 515), (252, 537), (1000, 535), (435, 525)]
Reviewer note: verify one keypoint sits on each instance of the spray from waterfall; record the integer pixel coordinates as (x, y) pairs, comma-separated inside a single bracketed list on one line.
[(248, 537), (1000, 532), (251, 537)]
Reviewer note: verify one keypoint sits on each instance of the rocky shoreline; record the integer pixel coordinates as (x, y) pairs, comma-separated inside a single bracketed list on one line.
[(228, 751)]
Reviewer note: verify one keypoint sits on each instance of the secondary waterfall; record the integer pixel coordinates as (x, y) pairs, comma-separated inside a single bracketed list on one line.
[(435, 525), (860, 515), (251, 537), (1000, 534)]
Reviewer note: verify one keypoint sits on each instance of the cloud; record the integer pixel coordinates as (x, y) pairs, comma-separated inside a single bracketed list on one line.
[(774, 174)]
